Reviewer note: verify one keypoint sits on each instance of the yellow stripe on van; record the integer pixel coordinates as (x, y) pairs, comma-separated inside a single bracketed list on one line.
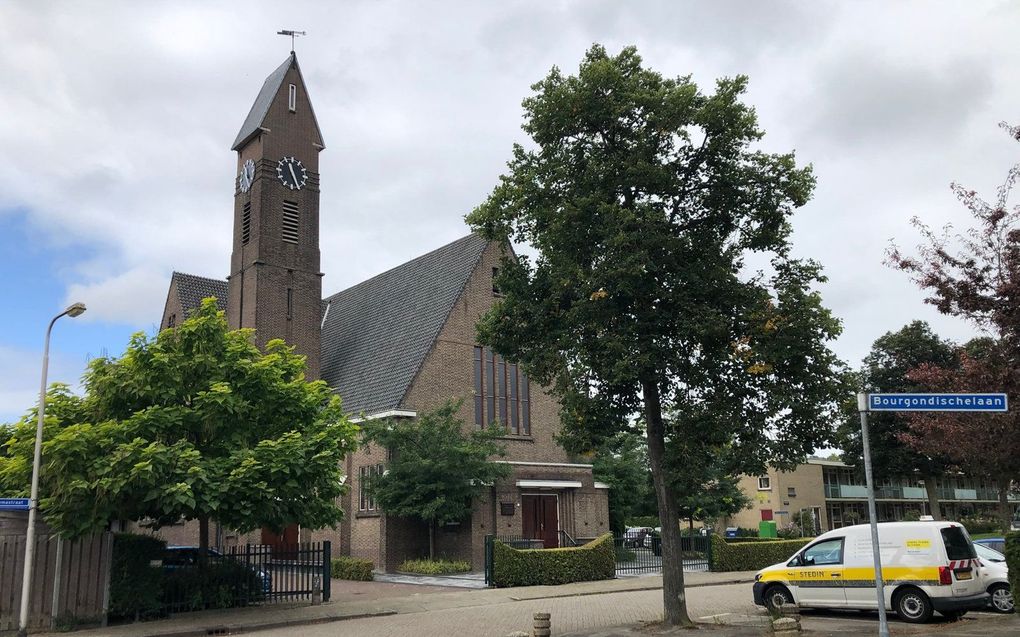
[(857, 577)]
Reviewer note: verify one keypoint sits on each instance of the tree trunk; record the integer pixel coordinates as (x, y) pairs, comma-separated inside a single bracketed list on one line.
[(674, 600), (1005, 515), (203, 539), (432, 539), (935, 508)]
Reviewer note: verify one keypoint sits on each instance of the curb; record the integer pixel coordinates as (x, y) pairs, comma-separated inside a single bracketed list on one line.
[(631, 590)]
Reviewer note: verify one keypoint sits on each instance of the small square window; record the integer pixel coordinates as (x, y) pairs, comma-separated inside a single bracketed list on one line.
[(791, 492), (292, 98), (764, 483)]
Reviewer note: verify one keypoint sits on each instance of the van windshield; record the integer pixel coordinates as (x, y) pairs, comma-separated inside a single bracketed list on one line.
[(958, 546)]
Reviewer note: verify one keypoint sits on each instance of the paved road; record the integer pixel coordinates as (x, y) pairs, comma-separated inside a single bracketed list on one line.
[(597, 615), (569, 614)]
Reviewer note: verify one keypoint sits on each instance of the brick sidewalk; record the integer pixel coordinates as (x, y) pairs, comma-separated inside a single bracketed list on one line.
[(283, 616)]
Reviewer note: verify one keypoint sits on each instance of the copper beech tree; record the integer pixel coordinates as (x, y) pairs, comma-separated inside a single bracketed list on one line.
[(975, 275)]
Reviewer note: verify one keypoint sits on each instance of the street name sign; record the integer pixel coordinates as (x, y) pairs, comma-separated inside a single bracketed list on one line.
[(938, 402), (13, 504)]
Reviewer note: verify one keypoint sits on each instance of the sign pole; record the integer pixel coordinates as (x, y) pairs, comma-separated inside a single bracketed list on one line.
[(883, 621)]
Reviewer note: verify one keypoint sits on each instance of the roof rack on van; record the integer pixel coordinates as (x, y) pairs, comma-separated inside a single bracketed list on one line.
[(926, 518)]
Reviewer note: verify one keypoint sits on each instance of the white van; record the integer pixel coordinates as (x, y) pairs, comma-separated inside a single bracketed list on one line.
[(926, 567)]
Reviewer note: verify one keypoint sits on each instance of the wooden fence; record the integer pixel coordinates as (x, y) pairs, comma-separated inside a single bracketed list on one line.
[(70, 586)]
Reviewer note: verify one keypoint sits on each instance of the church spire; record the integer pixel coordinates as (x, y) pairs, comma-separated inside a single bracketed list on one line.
[(276, 92)]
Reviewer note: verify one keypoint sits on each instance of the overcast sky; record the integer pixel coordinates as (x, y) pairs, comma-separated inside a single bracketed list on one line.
[(116, 120)]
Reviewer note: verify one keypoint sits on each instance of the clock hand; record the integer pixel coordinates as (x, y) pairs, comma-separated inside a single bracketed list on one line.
[(291, 166)]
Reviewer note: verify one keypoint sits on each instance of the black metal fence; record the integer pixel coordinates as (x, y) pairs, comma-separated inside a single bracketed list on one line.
[(642, 553), (244, 575)]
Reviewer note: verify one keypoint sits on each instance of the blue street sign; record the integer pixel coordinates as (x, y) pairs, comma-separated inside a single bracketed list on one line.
[(13, 504), (938, 402)]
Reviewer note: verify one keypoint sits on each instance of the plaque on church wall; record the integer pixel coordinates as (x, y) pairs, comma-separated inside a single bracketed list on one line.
[(506, 508)]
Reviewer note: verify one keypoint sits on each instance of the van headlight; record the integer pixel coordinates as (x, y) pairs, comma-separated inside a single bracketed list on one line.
[(757, 576)]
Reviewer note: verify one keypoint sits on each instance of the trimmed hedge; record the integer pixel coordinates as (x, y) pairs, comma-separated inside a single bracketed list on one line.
[(751, 556), (352, 568), (136, 587), (434, 567), (1013, 560), (595, 560)]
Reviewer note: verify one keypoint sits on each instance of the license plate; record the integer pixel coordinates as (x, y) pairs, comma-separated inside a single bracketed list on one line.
[(963, 575)]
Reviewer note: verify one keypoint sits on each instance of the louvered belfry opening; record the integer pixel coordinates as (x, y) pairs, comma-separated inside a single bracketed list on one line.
[(290, 221), (246, 223)]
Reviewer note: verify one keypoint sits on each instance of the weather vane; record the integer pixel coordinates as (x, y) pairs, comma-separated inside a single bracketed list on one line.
[(292, 34)]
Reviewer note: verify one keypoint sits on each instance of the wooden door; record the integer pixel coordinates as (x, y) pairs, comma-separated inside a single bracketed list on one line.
[(541, 519), (283, 544)]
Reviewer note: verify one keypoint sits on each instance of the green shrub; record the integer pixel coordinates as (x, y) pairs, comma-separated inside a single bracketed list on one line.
[(434, 567), (136, 587), (751, 556), (221, 583), (977, 525), (1013, 560), (644, 520), (352, 568), (530, 567)]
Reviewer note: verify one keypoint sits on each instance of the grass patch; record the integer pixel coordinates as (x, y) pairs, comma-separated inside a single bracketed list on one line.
[(434, 567)]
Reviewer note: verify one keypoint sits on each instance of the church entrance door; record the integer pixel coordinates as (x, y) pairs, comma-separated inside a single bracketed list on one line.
[(282, 545), (541, 519)]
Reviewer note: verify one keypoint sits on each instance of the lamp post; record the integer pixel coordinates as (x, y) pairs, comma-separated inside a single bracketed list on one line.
[(74, 310)]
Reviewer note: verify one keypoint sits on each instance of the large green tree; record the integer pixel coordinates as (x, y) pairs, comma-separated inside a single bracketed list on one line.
[(436, 468), (644, 198), (887, 369), (194, 424), (621, 462)]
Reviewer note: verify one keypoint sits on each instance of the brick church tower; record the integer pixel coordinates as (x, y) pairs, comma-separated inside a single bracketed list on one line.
[(275, 285)]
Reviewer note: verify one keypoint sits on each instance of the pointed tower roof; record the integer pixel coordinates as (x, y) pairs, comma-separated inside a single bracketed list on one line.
[(270, 89)]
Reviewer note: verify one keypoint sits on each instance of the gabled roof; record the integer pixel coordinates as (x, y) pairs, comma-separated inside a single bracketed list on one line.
[(376, 334), (192, 289), (270, 88)]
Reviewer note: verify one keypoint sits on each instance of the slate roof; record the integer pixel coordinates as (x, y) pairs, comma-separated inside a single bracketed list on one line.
[(377, 333), (192, 289)]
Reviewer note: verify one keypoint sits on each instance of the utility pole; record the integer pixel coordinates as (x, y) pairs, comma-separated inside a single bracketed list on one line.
[(883, 621)]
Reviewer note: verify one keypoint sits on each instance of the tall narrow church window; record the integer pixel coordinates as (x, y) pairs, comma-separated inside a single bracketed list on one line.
[(290, 303), (502, 393), (501, 384), (246, 223), (525, 406), (292, 98), (490, 388), (495, 288), (479, 395), (171, 320), (290, 221)]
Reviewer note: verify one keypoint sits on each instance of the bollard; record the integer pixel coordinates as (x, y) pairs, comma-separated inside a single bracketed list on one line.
[(316, 590), (542, 624)]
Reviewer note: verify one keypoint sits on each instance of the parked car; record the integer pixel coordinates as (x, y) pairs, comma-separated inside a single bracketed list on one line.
[(996, 578), (637, 536), (179, 557), (931, 566), (997, 544)]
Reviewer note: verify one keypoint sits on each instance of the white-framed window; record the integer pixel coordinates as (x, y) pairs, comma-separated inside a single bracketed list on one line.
[(764, 483), (292, 98), (366, 502)]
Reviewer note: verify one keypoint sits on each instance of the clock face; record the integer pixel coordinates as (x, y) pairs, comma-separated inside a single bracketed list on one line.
[(291, 173), (247, 176)]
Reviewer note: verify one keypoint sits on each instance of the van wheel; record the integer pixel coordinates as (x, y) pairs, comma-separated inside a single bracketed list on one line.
[(777, 596), (1002, 599), (913, 606)]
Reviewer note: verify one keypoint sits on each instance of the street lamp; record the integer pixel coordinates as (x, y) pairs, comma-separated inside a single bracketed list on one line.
[(76, 309)]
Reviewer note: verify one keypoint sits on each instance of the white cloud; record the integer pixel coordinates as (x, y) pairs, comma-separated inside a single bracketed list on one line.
[(134, 297), (123, 114)]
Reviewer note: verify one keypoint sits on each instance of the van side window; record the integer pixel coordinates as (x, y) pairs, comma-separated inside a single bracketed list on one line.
[(827, 552), (958, 547)]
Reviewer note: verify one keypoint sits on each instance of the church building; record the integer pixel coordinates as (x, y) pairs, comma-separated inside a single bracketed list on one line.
[(396, 345)]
